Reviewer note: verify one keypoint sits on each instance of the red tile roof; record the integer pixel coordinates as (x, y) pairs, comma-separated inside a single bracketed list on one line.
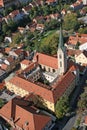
[(18, 51), (10, 59), (63, 84), (85, 120), (2, 85), (27, 8), (51, 95), (4, 66), (82, 38), (26, 62), (47, 60), (51, 1), (28, 114), (14, 13), (71, 52), (31, 66), (7, 50), (31, 87)]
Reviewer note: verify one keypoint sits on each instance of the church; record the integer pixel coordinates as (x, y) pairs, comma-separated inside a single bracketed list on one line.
[(46, 76)]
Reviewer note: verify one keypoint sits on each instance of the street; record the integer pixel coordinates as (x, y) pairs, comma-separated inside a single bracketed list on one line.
[(70, 123)]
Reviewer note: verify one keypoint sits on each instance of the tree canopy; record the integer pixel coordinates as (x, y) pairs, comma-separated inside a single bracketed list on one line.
[(70, 21), (62, 106)]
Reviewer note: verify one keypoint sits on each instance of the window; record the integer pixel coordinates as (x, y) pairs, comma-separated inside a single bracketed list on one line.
[(60, 56), (60, 64), (49, 69), (53, 70)]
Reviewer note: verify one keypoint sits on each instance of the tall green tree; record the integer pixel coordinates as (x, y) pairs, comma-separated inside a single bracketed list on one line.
[(62, 106), (70, 21), (82, 103)]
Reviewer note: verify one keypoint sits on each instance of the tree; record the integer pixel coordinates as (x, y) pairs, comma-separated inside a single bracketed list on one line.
[(70, 21), (82, 103), (77, 45), (17, 38), (5, 28), (1, 103), (74, 128), (62, 106), (12, 25), (49, 44), (83, 30), (1, 38)]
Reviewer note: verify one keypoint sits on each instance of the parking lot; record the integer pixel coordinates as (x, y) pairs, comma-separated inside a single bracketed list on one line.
[(7, 95)]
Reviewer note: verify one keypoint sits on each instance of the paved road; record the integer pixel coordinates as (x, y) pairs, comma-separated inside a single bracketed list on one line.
[(70, 123)]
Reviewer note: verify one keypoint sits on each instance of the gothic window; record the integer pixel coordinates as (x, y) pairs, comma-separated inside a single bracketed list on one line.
[(60, 56), (49, 69), (60, 64)]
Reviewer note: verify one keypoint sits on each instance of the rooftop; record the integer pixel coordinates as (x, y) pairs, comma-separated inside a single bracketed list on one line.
[(46, 60), (24, 115)]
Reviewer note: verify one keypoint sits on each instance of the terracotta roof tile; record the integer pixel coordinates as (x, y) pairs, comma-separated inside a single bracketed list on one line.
[(31, 87), (63, 84), (86, 120), (24, 115), (27, 8), (10, 59), (4, 66), (7, 49), (18, 51), (52, 96), (26, 62), (47, 60), (71, 52)]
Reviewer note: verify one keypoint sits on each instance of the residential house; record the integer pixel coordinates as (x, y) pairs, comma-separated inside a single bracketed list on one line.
[(24, 64), (77, 5), (84, 2), (83, 47), (32, 26), (81, 58), (6, 2), (15, 15), (4, 67), (8, 39), (10, 61), (50, 2), (17, 53), (2, 74), (7, 50), (21, 30), (27, 9), (83, 12), (74, 39), (40, 27), (22, 115), (2, 3)]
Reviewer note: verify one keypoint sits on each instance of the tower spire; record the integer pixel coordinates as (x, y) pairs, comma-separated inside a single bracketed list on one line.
[(62, 56), (61, 42)]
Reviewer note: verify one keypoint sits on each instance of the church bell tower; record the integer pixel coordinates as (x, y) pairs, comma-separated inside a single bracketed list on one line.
[(61, 55)]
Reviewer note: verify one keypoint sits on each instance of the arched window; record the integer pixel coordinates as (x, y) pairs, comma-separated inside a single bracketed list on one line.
[(60, 64), (60, 56)]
